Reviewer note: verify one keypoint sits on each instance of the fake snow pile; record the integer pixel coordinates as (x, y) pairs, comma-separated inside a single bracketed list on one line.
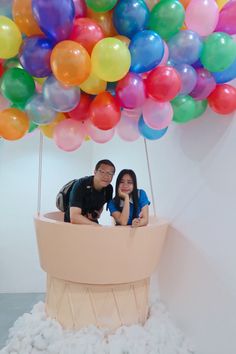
[(34, 333)]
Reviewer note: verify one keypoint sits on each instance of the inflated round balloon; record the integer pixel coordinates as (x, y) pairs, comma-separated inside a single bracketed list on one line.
[(69, 134), (35, 54), (32, 127), (59, 97), (184, 109), (133, 113), (202, 16), (227, 18), (147, 50), (110, 59), (38, 110), (185, 47), (123, 39), (3, 103), (200, 108), (93, 85), (81, 111), (131, 91), (80, 8), (87, 32), (149, 133), (6, 7), (127, 128), (166, 18), (48, 129), (188, 77), (163, 83), (130, 17), (17, 85), (54, 18), (14, 124), (98, 135), (70, 63), (104, 111), (157, 115), (10, 38), (23, 17), (104, 19), (223, 99), (111, 87), (101, 5), (205, 84), (219, 52), (226, 75)]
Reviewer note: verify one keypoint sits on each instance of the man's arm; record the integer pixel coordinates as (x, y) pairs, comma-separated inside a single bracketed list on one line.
[(77, 218)]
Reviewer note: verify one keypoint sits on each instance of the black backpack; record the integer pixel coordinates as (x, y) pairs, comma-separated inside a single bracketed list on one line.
[(62, 198)]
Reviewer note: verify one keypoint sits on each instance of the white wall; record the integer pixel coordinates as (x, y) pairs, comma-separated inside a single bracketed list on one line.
[(194, 174)]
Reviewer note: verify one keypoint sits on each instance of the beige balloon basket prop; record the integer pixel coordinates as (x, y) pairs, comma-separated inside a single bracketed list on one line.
[(98, 275)]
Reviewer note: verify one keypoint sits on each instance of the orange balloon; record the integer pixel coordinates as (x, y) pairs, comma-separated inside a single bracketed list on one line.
[(104, 19), (23, 17), (14, 124), (184, 3), (48, 129), (123, 39), (70, 63)]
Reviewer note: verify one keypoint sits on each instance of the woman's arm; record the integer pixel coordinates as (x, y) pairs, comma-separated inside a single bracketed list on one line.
[(143, 217), (122, 217)]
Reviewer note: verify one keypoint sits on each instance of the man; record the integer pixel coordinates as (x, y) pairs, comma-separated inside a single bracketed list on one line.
[(89, 194)]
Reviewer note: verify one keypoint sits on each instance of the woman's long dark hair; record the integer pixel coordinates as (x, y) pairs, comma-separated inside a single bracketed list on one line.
[(134, 193)]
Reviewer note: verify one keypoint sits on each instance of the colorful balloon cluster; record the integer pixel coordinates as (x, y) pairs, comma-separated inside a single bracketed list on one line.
[(79, 68)]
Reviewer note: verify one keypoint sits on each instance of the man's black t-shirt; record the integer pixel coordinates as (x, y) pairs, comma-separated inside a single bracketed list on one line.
[(83, 195)]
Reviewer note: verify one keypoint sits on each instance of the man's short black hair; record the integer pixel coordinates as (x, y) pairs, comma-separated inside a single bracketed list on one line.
[(104, 162)]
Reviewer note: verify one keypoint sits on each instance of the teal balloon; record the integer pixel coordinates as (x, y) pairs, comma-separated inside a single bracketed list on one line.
[(200, 108), (184, 109)]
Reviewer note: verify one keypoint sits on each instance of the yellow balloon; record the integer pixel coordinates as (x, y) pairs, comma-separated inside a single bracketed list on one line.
[(48, 129), (10, 38), (111, 59), (221, 3), (93, 85)]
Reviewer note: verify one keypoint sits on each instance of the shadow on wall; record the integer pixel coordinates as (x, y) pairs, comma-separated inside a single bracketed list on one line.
[(196, 296)]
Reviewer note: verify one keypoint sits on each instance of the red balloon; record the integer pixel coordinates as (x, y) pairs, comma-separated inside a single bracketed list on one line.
[(86, 32), (81, 111), (80, 8), (1, 67), (223, 99), (105, 111), (163, 83)]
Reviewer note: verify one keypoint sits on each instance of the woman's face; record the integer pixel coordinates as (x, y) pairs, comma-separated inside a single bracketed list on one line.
[(126, 184)]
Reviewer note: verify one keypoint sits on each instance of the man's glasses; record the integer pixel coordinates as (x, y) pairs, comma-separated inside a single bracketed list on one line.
[(107, 174)]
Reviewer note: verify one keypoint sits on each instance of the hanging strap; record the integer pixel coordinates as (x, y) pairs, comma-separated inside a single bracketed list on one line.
[(40, 165), (150, 177)]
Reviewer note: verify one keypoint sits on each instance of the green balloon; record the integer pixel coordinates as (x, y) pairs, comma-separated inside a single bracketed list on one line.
[(101, 5), (184, 109), (200, 108), (219, 52), (12, 63), (32, 127), (166, 18), (17, 86)]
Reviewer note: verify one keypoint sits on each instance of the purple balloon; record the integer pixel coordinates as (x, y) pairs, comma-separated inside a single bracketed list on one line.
[(55, 17), (35, 55), (131, 91), (188, 78), (205, 84), (227, 18)]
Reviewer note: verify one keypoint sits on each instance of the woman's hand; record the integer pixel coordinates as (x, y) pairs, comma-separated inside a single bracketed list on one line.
[(136, 222), (123, 195)]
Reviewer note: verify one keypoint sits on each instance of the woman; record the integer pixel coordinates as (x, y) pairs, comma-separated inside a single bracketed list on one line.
[(130, 205)]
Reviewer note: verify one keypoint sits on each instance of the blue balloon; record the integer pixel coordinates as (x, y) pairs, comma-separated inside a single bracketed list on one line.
[(226, 75), (130, 17), (149, 133), (35, 55), (55, 17), (5, 8), (197, 64), (111, 87), (147, 50)]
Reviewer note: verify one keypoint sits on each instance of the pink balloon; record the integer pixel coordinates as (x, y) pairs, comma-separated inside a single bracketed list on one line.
[(80, 8), (127, 128), (3, 103), (227, 18), (202, 16), (133, 113), (131, 91), (204, 86), (165, 58), (69, 134), (157, 115), (98, 135)]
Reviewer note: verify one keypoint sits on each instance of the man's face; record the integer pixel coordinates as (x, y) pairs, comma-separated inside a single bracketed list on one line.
[(103, 176)]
